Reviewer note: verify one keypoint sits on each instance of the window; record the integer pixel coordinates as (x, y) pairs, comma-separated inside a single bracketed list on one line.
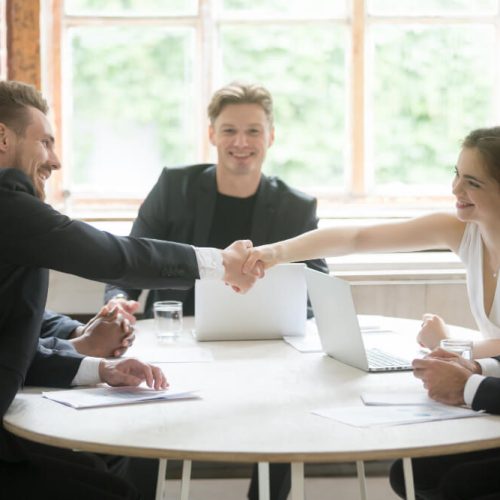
[(372, 97)]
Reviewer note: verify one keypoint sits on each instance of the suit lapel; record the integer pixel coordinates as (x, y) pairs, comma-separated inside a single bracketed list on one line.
[(266, 206), (205, 204)]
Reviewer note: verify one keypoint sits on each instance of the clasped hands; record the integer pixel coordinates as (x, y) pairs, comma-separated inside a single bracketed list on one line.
[(445, 374), (240, 276)]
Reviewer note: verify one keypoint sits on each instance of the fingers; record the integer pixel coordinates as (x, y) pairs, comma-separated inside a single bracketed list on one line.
[(154, 376), (253, 257), (126, 307), (258, 270), (147, 374), (125, 326), (118, 353), (128, 340), (160, 380)]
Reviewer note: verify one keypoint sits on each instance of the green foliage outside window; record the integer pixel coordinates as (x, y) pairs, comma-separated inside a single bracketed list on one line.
[(303, 67), (431, 87)]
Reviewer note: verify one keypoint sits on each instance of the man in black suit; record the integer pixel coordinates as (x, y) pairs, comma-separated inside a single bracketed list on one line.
[(216, 204), (35, 238), (453, 380)]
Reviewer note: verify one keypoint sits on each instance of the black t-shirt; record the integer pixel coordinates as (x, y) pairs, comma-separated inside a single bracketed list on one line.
[(232, 220)]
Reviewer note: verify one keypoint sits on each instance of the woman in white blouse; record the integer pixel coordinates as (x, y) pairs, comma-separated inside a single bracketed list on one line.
[(473, 233)]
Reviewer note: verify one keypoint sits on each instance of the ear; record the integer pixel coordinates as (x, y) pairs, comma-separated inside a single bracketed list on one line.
[(211, 134), (271, 137), (4, 138)]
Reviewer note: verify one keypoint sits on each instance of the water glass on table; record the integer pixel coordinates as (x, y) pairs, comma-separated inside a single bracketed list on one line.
[(168, 319), (461, 347)]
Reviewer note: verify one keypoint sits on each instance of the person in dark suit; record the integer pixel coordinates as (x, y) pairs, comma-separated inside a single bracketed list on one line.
[(453, 380), (35, 238), (215, 204)]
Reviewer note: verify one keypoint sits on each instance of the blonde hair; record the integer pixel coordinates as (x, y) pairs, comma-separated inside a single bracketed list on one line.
[(241, 93)]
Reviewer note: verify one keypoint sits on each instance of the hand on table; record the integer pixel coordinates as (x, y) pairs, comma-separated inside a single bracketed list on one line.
[(108, 334), (123, 372), (433, 330), (444, 375), (233, 258)]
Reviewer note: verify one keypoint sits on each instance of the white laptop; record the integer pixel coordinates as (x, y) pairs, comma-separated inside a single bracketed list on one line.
[(338, 326), (275, 306)]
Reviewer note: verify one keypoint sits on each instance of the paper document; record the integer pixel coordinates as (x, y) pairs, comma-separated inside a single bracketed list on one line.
[(370, 416), (109, 396), (398, 398)]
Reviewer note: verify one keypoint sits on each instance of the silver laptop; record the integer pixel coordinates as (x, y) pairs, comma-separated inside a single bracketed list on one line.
[(338, 326), (275, 306)]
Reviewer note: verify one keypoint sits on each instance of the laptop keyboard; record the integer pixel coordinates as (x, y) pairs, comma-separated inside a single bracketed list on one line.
[(381, 359)]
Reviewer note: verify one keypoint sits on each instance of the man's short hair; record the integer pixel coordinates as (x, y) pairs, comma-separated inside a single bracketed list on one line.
[(15, 98), (240, 93)]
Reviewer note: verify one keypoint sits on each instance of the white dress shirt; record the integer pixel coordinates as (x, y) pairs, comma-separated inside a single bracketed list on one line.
[(490, 368)]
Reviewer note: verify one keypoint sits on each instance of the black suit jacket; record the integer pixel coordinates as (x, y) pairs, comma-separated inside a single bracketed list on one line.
[(57, 325), (181, 205), (34, 238), (488, 395)]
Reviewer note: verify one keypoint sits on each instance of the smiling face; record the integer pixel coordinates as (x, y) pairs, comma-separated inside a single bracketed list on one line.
[(33, 152), (476, 191), (242, 134)]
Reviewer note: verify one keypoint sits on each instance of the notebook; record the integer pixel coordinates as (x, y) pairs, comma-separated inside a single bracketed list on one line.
[(275, 306), (338, 326)]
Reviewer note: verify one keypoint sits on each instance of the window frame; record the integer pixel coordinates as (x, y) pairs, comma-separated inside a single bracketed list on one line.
[(353, 203)]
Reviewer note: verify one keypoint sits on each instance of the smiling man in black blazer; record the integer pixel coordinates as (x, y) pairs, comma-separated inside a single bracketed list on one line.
[(215, 204), (34, 238)]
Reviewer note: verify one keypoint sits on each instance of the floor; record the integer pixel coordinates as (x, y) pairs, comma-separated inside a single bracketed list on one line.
[(316, 489)]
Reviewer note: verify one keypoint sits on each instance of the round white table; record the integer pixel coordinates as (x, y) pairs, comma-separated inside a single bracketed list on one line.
[(255, 405)]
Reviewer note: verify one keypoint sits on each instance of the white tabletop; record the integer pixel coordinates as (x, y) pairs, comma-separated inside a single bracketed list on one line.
[(255, 404)]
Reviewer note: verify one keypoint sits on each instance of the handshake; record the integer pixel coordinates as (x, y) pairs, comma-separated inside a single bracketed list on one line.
[(244, 264)]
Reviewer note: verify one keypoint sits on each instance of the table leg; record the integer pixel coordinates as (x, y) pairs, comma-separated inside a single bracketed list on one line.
[(264, 487), (160, 482), (186, 477), (360, 467), (297, 481), (408, 473)]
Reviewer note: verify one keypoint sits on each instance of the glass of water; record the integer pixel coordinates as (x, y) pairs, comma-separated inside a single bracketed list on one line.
[(461, 347), (168, 318)]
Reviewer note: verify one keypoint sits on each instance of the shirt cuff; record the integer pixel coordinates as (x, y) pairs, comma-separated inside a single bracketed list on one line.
[(209, 263), (490, 367), (470, 388), (88, 372)]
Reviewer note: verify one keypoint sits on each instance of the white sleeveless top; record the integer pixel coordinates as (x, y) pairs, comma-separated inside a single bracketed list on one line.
[(471, 254)]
